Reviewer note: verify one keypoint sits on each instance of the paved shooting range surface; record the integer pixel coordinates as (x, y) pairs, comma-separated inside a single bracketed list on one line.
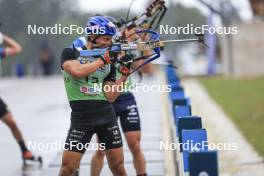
[(41, 110)]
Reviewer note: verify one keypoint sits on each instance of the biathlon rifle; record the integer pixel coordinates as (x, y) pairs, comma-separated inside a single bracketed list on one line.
[(156, 10), (153, 44)]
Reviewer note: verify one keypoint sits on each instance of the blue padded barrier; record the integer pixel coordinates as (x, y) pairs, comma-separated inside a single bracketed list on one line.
[(193, 140), (187, 123), (203, 163)]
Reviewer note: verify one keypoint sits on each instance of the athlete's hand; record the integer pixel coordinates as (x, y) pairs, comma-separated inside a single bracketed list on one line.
[(125, 65), (109, 57)]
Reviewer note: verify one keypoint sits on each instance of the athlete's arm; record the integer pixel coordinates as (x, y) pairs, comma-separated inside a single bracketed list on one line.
[(111, 81), (78, 70), (75, 68), (12, 47)]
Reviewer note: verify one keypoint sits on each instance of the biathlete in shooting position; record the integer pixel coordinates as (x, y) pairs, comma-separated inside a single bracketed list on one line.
[(92, 111), (12, 48), (126, 110)]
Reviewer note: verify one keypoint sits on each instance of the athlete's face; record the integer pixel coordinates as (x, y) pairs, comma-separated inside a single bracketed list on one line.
[(103, 41)]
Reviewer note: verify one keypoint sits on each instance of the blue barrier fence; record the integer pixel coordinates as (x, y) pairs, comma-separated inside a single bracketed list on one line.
[(193, 158)]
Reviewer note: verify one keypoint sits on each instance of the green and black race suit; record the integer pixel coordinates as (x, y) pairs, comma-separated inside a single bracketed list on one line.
[(87, 88), (125, 107), (91, 112)]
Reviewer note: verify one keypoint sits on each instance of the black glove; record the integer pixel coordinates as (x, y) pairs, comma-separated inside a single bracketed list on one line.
[(125, 65), (109, 57)]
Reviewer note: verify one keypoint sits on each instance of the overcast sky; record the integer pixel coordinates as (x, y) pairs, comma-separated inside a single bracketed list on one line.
[(139, 5)]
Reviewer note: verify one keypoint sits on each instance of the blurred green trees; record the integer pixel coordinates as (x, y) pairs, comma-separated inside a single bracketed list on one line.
[(16, 15)]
